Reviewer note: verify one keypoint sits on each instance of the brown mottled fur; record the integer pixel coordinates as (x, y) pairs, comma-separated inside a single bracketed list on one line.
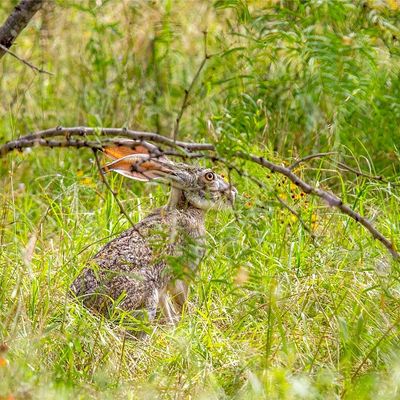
[(134, 265)]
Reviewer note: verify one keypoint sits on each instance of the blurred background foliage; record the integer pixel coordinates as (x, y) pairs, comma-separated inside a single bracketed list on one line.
[(297, 76), (271, 314)]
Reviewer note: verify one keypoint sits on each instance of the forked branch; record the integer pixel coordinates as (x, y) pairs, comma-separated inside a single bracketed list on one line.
[(30, 65), (17, 21)]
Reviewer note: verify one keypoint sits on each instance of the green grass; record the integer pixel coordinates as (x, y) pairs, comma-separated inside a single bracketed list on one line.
[(271, 314)]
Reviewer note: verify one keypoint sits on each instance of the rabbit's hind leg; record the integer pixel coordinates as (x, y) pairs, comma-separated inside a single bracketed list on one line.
[(173, 299), (151, 303), (138, 296), (168, 309), (142, 304)]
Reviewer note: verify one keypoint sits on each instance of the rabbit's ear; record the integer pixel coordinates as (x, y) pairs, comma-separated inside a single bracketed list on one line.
[(116, 152), (140, 167), (128, 147)]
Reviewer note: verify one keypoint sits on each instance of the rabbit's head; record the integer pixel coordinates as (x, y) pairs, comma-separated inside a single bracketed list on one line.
[(201, 187)]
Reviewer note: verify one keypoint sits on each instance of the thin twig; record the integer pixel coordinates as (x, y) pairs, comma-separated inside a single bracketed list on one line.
[(342, 165), (30, 65), (310, 157), (360, 173), (17, 21), (185, 101), (104, 179), (156, 92), (297, 215)]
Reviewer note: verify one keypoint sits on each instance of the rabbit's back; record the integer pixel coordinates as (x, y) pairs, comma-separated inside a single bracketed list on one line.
[(132, 267)]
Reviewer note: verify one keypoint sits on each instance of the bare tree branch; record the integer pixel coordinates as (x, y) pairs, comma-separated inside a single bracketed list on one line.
[(185, 101), (342, 165), (310, 157), (82, 131), (40, 70), (331, 199), (104, 179), (360, 173), (184, 150), (17, 21)]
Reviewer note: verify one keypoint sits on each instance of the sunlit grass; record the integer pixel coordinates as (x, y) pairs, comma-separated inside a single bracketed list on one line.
[(272, 312)]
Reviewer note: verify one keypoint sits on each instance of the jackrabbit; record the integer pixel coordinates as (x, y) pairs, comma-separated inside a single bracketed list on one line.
[(145, 265)]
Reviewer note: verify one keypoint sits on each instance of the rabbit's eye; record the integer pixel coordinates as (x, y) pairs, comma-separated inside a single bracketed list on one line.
[(210, 176)]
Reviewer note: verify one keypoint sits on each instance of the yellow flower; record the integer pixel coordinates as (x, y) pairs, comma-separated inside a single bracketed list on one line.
[(87, 181)]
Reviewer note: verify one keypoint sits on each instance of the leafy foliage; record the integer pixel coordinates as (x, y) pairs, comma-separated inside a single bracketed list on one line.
[(272, 313)]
